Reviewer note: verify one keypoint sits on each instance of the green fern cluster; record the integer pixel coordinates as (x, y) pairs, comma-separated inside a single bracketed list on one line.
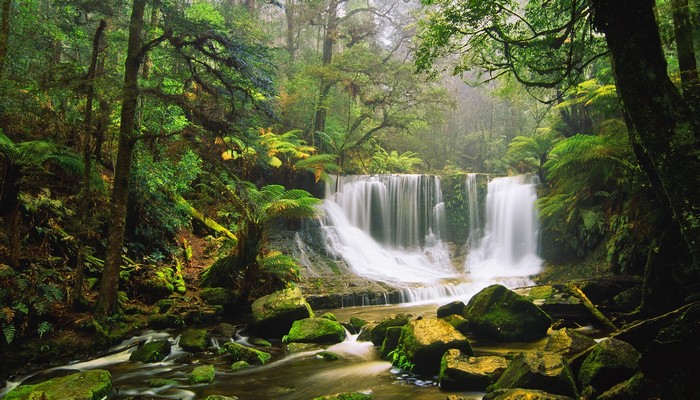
[(400, 359)]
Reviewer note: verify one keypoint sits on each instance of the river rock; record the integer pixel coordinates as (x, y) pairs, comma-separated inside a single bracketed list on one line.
[(499, 313), (316, 330), (378, 332), (218, 397), (346, 396), (391, 340), (218, 296), (238, 352), (456, 307), (568, 343), (458, 322), (202, 374), (150, 352), (366, 332), (425, 341), (636, 387), (160, 382), (89, 385), (523, 394), (462, 372), (274, 314), (610, 362), (239, 365), (538, 370), (194, 340)]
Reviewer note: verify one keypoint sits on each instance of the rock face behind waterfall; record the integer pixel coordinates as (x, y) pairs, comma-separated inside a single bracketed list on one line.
[(275, 313), (425, 341), (498, 313)]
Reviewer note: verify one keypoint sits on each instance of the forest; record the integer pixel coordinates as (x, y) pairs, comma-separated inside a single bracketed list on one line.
[(175, 151)]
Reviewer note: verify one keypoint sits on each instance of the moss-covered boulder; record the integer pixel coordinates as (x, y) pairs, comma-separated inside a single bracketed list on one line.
[(453, 308), (160, 382), (458, 322), (610, 362), (219, 397), (540, 371), (316, 330), (378, 332), (568, 343), (194, 340), (523, 394), (150, 352), (366, 332), (346, 396), (88, 385), (239, 365), (425, 341), (238, 352), (501, 314), (202, 374), (218, 296), (328, 356), (391, 340), (274, 314), (462, 372), (357, 323)]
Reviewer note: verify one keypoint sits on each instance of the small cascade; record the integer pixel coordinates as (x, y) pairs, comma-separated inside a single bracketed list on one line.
[(508, 247), (474, 234)]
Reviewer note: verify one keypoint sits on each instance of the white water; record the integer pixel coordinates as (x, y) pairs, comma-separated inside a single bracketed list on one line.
[(390, 228)]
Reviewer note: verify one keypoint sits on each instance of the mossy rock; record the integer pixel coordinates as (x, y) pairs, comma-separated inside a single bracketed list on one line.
[(238, 352), (610, 362), (260, 342), (568, 343), (391, 340), (219, 397), (202, 374), (299, 347), (378, 332), (523, 394), (501, 314), (357, 323), (162, 321), (89, 385), (453, 308), (239, 365), (463, 372), (425, 341), (328, 355), (316, 330), (194, 340), (219, 296), (330, 316), (458, 322), (366, 332), (274, 314), (540, 371), (151, 352), (160, 382), (346, 396)]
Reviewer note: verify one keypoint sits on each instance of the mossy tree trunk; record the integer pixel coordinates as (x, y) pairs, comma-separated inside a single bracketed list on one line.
[(662, 127)]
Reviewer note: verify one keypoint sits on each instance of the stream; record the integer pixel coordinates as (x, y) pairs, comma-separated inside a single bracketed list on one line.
[(302, 375)]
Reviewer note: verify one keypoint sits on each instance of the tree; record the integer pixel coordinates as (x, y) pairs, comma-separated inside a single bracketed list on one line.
[(550, 46)]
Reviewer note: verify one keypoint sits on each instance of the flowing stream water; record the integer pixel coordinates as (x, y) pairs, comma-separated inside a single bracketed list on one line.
[(388, 228)]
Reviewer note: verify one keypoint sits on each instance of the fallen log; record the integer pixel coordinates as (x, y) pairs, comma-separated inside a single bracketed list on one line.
[(208, 222), (578, 293)]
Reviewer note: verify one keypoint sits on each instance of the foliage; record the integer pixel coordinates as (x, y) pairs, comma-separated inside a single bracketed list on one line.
[(400, 359), (393, 162)]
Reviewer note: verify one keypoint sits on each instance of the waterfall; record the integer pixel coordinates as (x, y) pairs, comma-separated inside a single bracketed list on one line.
[(474, 234), (391, 228), (508, 247)]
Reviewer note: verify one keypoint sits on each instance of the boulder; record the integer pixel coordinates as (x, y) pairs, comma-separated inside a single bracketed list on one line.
[(366, 332), (89, 385), (239, 365), (218, 296), (458, 322), (150, 352), (225, 330), (538, 370), (610, 362), (568, 343), (454, 308), (275, 313), (378, 332), (391, 340), (202, 374), (523, 394), (238, 352), (160, 382), (499, 313), (219, 397), (463, 372), (636, 387), (357, 323), (316, 330), (425, 341), (194, 340), (328, 356)]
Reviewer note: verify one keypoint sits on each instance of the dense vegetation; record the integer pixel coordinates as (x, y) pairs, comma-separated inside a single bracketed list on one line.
[(212, 115)]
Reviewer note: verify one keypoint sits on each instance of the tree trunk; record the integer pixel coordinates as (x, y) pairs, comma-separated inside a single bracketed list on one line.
[(289, 13), (86, 189), (683, 31), (5, 7), (327, 58), (661, 126), (107, 302)]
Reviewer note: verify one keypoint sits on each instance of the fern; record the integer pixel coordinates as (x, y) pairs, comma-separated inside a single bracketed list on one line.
[(8, 331), (43, 328)]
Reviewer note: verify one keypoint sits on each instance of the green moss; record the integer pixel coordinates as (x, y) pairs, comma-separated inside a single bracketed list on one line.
[(239, 365), (260, 342), (346, 396), (328, 356), (159, 382), (379, 332), (316, 330), (194, 340), (242, 353), (88, 385), (150, 352), (329, 316), (202, 374)]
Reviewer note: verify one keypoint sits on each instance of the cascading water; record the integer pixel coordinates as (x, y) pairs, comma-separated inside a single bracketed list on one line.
[(390, 228), (508, 247)]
